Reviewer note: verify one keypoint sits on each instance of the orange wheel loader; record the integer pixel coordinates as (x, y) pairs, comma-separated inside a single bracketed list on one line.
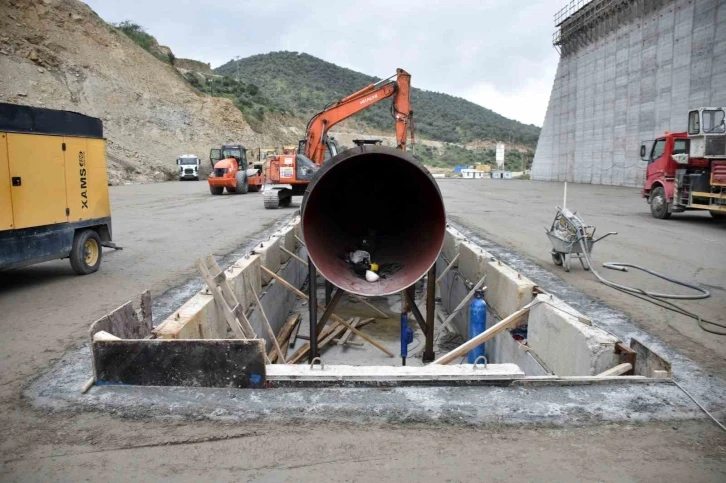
[(232, 172)]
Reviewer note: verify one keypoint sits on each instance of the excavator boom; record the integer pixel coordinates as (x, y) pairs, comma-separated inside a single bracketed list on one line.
[(288, 174), (372, 94)]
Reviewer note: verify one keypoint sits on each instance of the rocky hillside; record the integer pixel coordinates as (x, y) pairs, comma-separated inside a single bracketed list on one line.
[(303, 84), (60, 54)]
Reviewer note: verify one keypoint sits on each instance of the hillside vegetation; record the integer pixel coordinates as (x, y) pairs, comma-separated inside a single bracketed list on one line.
[(62, 55), (304, 84)]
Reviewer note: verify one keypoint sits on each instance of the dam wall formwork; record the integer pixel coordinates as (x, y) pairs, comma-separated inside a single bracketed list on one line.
[(629, 70)]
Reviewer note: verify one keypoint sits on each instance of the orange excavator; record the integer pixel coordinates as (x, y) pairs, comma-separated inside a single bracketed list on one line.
[(288, 174)]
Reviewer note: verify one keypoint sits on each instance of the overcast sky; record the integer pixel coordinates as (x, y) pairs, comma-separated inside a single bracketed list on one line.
[(496, 53)]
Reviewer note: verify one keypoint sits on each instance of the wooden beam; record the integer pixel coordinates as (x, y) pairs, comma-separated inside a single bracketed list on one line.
[(305, 348), (293, 334), (618, 370), (413, 308), (357, 297), (293, 255), (328, 311), (365, 322), (219, 298), (270, 333), (506, 323), (464, 302), (283, 337), (446, 270), (344, 338), (229, 297), (332, 316), (365, 302)]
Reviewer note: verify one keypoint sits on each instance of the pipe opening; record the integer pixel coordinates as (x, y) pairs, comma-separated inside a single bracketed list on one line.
[(380, 200)]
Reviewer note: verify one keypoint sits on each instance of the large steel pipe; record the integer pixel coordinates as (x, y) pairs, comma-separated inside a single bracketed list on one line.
[(380, 200)]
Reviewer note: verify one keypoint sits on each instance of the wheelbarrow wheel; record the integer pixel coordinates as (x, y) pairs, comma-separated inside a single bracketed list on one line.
[(556, 258), (568, 259)]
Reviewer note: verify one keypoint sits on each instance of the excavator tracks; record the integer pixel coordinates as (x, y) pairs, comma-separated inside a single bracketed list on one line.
[(271, 199)]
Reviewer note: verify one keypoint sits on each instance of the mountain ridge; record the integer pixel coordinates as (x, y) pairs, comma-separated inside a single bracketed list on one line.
[(304, 84)]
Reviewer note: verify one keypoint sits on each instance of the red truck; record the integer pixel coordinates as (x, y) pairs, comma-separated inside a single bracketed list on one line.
[(687, 170)]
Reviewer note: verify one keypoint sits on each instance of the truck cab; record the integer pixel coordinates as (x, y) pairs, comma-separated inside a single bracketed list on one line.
[(188, 167), (687, 170)]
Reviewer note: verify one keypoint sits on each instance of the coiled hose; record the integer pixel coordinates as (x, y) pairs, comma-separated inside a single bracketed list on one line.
[(655, 297)]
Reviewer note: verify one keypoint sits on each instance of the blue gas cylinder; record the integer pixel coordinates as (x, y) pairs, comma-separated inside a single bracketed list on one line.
[(406, 337), (477, 324)]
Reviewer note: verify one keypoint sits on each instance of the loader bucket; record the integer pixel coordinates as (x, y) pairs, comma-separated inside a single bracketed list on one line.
[(380, 200)]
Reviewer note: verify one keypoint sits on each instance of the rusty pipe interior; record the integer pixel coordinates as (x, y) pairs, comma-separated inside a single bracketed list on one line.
[(379, 199)]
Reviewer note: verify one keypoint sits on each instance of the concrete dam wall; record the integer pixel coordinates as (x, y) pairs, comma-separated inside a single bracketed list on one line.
[(629, 70)]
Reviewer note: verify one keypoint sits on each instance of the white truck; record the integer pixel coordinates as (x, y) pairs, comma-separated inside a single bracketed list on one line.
[(188, 167)]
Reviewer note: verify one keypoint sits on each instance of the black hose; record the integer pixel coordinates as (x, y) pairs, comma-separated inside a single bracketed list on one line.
[(653, 297)]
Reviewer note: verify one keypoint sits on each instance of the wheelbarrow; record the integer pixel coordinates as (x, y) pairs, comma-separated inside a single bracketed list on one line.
[(571, 237)]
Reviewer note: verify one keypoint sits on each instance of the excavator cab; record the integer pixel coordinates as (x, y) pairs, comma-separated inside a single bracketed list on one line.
[(237, 152), (331, 147)]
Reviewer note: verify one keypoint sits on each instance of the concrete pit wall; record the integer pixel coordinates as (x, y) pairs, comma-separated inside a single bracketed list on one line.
[(201, 318), (560, 341)]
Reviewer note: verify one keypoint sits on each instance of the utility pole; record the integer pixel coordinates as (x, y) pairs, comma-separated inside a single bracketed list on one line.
[(237, 60)]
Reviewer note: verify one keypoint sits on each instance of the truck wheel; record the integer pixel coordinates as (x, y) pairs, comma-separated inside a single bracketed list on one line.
[(86, 252), (243, 184), (718, 215), (216, 190), (659, 204)]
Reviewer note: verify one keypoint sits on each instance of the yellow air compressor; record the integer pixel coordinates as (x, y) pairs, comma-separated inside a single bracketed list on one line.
[(54, 199)]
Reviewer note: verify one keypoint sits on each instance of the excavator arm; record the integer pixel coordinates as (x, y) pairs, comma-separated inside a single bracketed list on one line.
[(399, 88)]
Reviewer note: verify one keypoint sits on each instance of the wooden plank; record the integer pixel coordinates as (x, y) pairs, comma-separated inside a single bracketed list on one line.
[(333, 316), (231, 298), (506, 323), (365, 322), (348, 333), (216, 291), (350, 343), (293, 334), (327, 340), (270, 332), (293, 255), (305, 348), (283, 337), (464, 302), (323, 321), (123, 321), (446, 270), (618, 370), (170, 362), (365, 302)]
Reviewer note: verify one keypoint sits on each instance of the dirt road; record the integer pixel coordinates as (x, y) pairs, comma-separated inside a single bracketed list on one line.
[(45, 310), (689, 246)]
